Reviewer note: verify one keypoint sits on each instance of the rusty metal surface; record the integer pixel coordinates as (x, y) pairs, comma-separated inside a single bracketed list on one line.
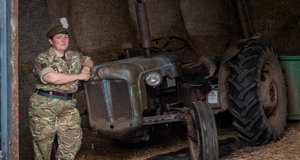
[(120, 99), (203, 60), (134, 70), (166, 118), (144, 31), (14, 132), (9, 80), (95, 101), (123, 92), (110, 109)]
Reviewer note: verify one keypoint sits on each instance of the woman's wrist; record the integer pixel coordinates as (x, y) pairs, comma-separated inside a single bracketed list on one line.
[(90, 68)]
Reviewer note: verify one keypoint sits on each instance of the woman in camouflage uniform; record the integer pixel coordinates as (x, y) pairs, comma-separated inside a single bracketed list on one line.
[(52, 108)]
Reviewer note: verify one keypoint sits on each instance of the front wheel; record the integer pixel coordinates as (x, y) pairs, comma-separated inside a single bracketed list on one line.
[(202, 132)]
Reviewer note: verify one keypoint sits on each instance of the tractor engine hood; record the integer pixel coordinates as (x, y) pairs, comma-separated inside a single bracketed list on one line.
[(132, 69)]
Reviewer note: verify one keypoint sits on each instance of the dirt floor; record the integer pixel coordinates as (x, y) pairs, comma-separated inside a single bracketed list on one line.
[(174, 147)]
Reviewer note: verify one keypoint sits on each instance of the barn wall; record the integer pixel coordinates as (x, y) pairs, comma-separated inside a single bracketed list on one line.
[(98, 28), (210, 24), (279, 23), (164, 18), (33, 18), (101, 27)]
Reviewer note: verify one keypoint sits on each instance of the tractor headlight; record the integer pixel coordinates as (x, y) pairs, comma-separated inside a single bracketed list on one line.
[(153, 79)]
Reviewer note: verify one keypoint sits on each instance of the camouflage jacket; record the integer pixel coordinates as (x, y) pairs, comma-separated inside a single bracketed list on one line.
[(48, 62)]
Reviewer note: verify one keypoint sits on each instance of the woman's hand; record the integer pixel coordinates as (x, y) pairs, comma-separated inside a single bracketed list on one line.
[(86, 69)]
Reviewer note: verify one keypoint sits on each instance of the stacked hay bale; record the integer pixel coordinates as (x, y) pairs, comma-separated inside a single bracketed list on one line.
[(101, 27), (279, 23)]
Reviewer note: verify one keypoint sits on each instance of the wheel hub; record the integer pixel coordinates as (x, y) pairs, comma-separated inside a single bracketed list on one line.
[(268, 90)]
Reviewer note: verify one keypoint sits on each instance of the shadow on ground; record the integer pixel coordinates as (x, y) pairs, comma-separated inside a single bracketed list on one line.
[(226, 147)]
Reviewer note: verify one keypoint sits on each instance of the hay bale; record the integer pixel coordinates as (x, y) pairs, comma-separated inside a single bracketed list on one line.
[(279, 22), (33, 18), (164, 18), (102, 27), (209, 24), (27, 83), (58, 8)]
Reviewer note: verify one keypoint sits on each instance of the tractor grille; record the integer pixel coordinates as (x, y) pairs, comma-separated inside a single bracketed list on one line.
[(108, 99)]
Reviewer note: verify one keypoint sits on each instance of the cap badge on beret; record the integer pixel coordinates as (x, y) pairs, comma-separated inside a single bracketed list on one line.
[(60, 28), (64, 22)]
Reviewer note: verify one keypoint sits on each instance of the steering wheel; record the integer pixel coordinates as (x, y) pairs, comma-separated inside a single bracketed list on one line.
[(169, 44)]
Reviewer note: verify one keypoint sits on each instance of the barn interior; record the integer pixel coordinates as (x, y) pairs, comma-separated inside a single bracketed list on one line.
[(99, 28)]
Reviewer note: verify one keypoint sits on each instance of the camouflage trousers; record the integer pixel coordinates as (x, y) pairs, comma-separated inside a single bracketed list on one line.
[(49, 117)]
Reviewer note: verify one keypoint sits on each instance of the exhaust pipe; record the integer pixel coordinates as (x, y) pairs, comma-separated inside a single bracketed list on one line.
[(143, 27)]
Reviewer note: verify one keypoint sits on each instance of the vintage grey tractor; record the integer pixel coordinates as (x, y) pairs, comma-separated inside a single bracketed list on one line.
[(138, 98)]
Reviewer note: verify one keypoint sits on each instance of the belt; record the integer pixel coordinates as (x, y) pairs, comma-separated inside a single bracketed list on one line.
[(56, 95)]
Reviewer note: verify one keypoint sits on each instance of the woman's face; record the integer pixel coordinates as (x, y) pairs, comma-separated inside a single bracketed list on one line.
[(60, 42)]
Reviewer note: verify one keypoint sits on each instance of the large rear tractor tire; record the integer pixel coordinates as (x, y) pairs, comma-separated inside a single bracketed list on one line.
[(257, 92), (202, 133)]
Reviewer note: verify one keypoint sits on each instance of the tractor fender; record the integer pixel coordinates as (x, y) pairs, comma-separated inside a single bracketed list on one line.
[(233, 49)]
